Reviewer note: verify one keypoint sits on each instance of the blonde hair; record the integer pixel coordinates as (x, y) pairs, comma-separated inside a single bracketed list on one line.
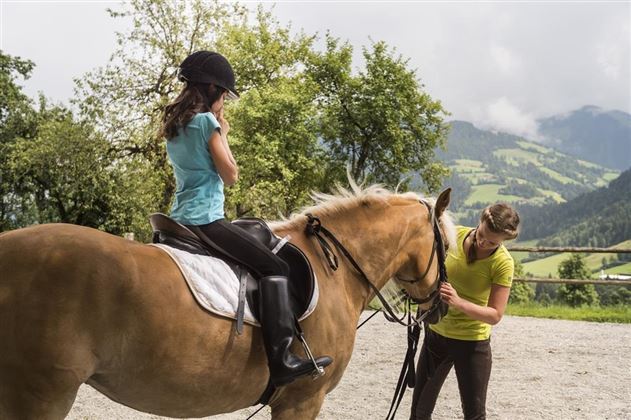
[(501, 218)]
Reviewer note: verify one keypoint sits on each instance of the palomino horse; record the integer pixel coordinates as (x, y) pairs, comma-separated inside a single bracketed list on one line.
[(81, 306)]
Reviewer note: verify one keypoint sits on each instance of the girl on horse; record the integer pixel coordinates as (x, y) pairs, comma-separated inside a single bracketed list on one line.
[(197, 145), (480, 272)]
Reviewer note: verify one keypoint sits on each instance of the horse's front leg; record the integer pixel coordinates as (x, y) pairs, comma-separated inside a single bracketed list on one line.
[(293, 405)]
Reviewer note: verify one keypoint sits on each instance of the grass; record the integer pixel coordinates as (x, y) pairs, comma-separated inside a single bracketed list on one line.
[(555, 175), (620, 269), (532, 146), (516, 156), (549, 266), (619, 314), (487, 193)]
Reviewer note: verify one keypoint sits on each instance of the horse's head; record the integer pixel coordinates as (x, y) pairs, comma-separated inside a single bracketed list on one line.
[(423, 270)]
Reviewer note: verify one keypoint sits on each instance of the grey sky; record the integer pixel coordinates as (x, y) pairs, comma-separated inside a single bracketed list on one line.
[(497, 64)]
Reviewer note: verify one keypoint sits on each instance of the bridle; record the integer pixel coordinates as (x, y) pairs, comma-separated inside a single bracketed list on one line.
[(314, 228)]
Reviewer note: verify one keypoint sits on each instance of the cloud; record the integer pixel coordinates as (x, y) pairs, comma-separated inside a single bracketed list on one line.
[(502, 115), (504, 59)]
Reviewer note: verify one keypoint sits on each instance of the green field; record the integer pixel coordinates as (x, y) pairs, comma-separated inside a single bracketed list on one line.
[(609, 176), (555, 175), (620, 314), (487, 193), (620, 269), (532, 146), (468, 165), (548, 266), (516, 156)]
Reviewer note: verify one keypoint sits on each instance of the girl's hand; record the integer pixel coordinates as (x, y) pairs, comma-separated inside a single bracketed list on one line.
[(225, 126), (449, 295)]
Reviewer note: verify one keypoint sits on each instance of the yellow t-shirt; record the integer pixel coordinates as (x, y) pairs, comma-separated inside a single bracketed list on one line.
[(473, 283)]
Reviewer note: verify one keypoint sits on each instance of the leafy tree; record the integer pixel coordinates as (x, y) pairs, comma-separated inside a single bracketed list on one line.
[(576, 294), (66, 174), (379, 122), (18, 119), (520, 292), (274, 124)]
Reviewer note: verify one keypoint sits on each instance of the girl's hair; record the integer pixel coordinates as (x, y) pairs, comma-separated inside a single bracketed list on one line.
[(194, 98), (502, 219)]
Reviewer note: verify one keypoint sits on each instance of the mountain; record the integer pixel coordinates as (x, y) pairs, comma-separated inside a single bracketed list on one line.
[(599, 218), (488, 167), (591, 133)]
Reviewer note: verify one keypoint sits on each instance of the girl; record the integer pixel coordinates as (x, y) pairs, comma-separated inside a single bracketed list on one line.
[(197, 145), (480, 273)]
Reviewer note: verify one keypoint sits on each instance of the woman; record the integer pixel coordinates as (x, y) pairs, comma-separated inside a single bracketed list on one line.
[(198, 149), (480, 274)]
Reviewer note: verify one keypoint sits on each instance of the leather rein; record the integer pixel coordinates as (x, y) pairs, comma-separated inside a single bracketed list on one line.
[(314, 227)]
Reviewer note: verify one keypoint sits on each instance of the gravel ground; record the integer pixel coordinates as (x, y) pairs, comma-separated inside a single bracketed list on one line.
[(542, 369)]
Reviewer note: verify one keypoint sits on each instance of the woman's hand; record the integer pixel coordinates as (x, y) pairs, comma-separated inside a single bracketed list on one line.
[(450, 296), (225, 126)]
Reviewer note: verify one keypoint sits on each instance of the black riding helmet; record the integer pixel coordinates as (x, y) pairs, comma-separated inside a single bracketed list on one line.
[(208, 67)]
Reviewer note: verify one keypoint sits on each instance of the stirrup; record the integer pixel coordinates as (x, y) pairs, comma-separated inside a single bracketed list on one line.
[(318, 371)]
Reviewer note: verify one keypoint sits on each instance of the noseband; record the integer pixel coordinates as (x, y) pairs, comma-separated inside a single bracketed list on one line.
[(314, 227)]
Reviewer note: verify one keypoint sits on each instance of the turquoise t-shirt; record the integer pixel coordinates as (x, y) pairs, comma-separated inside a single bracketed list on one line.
[(199, 196)]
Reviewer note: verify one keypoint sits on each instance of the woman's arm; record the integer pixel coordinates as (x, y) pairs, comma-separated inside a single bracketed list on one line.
[(222, 158), (491, 314)]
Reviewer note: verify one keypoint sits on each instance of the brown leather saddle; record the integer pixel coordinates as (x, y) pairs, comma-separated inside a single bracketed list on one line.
[(191, 239)]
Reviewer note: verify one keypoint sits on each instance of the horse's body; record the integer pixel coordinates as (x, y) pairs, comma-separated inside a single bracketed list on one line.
[(82, 306)]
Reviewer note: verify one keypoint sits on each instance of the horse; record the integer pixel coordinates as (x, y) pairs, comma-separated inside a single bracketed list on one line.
[(78, 305)]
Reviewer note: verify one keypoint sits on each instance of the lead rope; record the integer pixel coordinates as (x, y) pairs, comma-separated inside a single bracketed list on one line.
[(407, 377)]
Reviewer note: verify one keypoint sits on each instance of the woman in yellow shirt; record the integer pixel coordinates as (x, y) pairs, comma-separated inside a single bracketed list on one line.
[(480, 272)]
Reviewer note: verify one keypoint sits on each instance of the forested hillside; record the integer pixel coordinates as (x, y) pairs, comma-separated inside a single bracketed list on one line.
[(488, 167), (598, 218)]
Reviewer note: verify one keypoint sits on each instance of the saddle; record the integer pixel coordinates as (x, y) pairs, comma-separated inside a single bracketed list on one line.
[(191, 239)]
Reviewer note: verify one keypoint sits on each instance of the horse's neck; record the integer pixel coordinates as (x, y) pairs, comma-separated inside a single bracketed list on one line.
[(374, 243)]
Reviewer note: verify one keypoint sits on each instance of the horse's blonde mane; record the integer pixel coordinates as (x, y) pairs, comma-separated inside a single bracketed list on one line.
[(343, 199)]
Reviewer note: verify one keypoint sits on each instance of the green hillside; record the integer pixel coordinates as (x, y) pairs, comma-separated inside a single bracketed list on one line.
[(548, 266), (488, 167)]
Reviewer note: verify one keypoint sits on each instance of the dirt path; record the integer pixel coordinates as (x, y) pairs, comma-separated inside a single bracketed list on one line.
[(542, 369)]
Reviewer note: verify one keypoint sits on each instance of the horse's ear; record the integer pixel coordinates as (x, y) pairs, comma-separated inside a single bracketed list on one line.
[(442, 202)]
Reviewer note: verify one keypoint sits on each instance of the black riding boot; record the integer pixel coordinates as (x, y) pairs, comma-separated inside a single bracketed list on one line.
[(277, 324)]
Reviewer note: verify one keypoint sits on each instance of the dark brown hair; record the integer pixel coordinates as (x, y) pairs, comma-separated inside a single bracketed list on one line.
[(194, 98)]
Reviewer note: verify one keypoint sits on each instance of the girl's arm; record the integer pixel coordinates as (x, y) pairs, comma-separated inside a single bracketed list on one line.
[(222, 158), (491, 314)]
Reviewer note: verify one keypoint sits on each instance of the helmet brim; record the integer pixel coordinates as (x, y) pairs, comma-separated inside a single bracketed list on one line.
[(231, 96)]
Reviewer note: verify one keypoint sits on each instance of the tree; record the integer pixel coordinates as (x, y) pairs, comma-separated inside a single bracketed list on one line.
[(520, 292), (18, 119), (66, 174), (379, 122), (576, 294), (274, 125)]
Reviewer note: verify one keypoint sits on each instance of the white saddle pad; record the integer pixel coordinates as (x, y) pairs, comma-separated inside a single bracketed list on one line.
[(215, 286)]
